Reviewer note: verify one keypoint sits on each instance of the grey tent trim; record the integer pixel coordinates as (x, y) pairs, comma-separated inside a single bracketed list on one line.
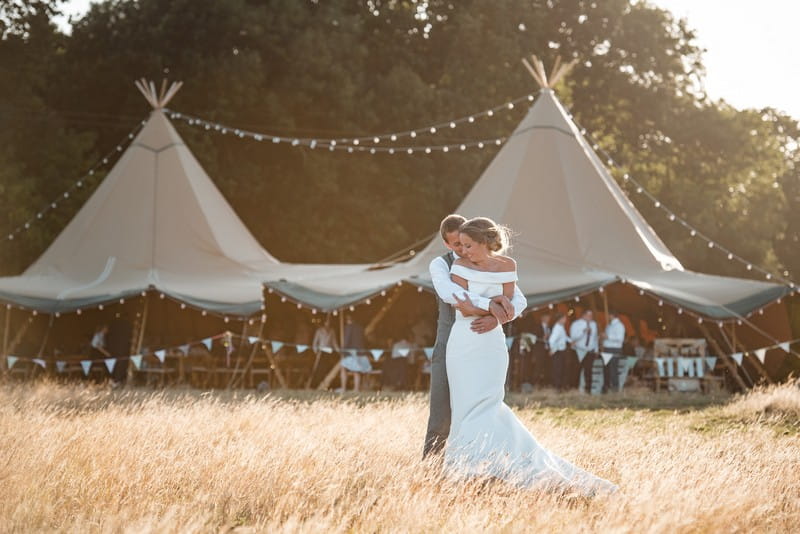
[(323, 302), (728, 311), (51, 306)]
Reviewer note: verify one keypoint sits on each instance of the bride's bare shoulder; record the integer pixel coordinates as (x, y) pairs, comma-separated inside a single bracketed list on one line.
[(505, 263)]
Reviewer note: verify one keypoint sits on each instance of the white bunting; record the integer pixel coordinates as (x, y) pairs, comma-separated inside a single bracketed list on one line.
[(428, 352), (376, 354), (137, 361), (87, 366), (61, 366), (403, 352), (110, 364), (761, 354), (301, 348), (606, 357), (784, 346), (40, 362), (509, 342), (184, 349), (207, 343), (253, 340), (11, 360), (737, 357), (326, 350), (276, 346), (712, 362), (161, 354)]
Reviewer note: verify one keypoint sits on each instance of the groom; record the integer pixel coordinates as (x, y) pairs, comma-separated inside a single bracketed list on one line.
[(451, 296)]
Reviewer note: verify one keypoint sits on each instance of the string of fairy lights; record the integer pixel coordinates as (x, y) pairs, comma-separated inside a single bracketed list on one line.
[(77, 184)]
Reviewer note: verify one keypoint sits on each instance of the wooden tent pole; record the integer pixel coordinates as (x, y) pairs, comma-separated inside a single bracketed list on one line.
[(733, 349), (142, 325), (605, 307), (758, 365), (5, 338), (726, 358)]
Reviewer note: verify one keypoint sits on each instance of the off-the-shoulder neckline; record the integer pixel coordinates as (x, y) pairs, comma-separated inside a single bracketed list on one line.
[(480, 271)]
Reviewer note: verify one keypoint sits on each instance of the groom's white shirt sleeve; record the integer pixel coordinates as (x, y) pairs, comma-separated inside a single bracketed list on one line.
[(445, 287)]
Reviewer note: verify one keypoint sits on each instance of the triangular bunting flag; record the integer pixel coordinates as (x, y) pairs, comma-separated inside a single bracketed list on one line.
[(403, 352), (301, 348), (761, 354), (61, 366), (253, 340), (207, 343), (40, 362), (737, 357), (11, 360), (161, 354), (86, 365), (712, 362), (137, 361), (376, 354), (509, 342), (784, 346), (606, 357), (428, 352), (110, 363), (276, 346), (184, 349), (326, 350)]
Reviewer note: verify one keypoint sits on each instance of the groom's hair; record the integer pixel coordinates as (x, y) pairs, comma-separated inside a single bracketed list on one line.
[(451, 223)]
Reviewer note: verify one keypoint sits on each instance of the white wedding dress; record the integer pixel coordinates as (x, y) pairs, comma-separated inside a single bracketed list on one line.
[(486, 438)]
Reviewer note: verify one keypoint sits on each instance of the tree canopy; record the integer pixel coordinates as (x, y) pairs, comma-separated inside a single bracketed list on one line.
[(344, 68)]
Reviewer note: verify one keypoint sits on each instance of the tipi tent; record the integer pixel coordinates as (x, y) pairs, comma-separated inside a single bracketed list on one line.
[(576, 231), (156, 222)]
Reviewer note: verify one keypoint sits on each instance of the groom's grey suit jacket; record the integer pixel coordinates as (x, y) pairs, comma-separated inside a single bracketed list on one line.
[(439, 418)]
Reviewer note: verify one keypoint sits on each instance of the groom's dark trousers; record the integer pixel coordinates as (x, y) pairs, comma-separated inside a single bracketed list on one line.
[(439, 418)]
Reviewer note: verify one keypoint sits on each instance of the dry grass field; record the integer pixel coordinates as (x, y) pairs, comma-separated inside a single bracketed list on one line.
[(88, 459)]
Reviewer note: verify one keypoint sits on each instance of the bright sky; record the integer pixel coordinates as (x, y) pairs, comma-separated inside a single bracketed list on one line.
[(752, 57)]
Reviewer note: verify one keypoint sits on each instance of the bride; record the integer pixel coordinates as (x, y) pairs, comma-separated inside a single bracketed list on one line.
[(486, 439)]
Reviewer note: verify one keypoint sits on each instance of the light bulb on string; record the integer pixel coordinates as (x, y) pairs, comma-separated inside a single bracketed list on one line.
[(710, 244), (693, 232), (413, 134), (471, 119), (490, 113), (452, 125)]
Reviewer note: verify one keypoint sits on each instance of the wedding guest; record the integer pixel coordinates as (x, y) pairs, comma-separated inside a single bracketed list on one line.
[(118, 342), (395, 370), (354, 360), (559, 351), (99, 342), (613, 338), (541, 359), (325, 337), (584, 336)]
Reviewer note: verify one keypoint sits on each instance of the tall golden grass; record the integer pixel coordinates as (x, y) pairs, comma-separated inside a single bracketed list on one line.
[(89, 459)]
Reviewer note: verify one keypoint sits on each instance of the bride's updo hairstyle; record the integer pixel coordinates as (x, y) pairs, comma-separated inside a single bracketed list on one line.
[(487, 232)]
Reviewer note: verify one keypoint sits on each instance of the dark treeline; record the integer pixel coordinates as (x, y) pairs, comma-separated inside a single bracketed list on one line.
[(345, 67)]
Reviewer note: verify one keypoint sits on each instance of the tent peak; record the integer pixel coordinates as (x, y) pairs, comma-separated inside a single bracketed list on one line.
[(157, 99), (536, 69)]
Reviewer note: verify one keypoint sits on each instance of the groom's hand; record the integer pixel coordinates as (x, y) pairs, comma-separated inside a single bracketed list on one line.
[(485, 324)]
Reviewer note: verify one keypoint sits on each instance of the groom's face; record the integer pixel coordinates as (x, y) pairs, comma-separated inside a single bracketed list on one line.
[(453, 242)]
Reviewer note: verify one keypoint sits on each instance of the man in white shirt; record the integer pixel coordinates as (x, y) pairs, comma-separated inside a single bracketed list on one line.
[(488, 312), (559, 344), (583, 333), (613, 340)]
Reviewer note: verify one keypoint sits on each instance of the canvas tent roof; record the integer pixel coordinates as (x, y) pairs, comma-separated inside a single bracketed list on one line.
[(155, 222), (576, 231)]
